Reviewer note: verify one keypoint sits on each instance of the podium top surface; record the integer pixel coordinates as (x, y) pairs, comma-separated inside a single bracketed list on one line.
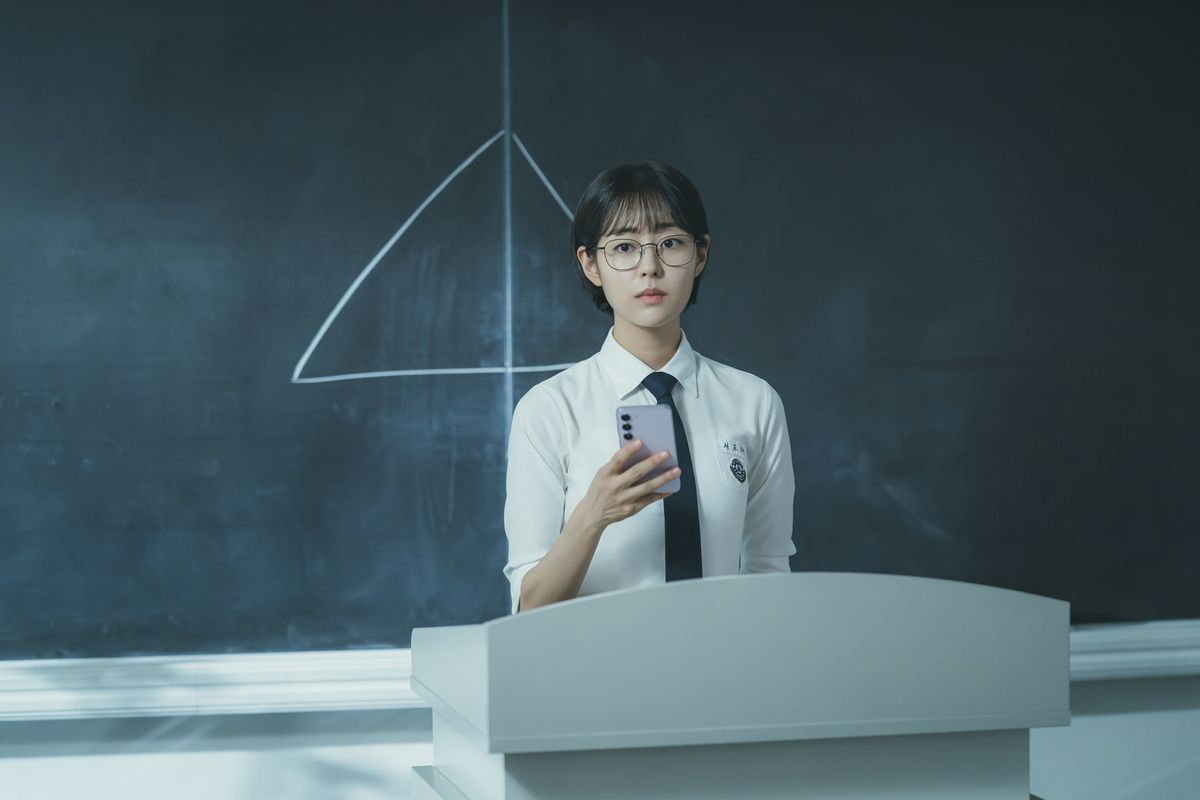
[(752, 658)]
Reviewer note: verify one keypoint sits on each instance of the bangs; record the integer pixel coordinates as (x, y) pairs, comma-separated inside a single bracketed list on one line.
[(645, 208)]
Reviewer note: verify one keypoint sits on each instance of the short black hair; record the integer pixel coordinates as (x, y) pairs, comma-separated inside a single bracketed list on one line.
[(646, 193)]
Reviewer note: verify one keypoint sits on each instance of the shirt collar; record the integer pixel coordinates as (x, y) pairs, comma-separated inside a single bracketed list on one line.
[(626, 371)]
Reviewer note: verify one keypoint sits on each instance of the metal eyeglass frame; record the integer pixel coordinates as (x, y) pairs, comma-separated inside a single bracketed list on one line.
[(642, 250)]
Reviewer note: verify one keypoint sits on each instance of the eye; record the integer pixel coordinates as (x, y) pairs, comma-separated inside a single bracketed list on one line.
[(671, 243), (623, 247)]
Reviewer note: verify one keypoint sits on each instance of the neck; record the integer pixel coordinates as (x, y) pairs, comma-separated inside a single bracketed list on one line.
[(654, 347)]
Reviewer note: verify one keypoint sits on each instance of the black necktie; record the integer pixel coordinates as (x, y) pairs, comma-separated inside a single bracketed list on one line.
[(682, 518)]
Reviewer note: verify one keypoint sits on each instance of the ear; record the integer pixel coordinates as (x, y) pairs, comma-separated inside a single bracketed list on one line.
[(591, 270), (702, 254)]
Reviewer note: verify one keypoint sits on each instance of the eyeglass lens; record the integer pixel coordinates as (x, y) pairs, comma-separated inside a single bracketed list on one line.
[(675, 251)]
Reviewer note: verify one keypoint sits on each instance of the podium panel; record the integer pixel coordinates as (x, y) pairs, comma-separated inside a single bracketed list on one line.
[(839, 685)]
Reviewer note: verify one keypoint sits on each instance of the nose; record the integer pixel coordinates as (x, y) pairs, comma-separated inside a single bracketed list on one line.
[(650, 265)]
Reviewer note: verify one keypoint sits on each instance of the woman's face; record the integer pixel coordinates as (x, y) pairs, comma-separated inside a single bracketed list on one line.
[(624, 288)]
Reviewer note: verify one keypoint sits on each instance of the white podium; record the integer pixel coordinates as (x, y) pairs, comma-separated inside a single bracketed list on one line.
[(808, 685)]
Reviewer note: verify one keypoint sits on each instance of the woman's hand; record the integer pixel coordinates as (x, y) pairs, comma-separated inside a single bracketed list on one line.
[(613, 497)]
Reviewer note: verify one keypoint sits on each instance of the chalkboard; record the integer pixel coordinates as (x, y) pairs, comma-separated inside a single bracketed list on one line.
[(272, 276)]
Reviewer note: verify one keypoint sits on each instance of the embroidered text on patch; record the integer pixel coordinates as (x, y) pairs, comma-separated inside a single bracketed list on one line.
[(733, 456)]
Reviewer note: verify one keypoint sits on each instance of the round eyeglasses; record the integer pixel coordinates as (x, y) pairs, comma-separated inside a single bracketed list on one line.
[(675, 250)]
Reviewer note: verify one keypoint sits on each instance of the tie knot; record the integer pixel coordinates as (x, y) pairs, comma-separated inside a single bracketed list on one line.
[(660, 384)]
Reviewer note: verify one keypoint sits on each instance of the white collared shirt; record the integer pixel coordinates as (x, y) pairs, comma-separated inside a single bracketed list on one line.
[(564, 429)]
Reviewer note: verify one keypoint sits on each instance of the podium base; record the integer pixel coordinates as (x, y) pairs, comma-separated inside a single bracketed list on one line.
[(988, 765), (430, 784)]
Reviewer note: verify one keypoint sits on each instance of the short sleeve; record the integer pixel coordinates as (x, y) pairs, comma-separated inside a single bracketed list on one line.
[(535, 485), (767, 536)]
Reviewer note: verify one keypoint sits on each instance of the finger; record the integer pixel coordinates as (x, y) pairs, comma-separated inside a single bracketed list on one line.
[(645, 466), (642, 489), (666, 477), (621, 456)]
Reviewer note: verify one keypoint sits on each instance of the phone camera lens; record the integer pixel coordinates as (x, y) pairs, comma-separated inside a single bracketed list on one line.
[(625, 417), (629, 436), (627, 427)]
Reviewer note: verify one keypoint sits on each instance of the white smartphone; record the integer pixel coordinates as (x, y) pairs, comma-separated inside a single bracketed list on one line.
[(655, 426)]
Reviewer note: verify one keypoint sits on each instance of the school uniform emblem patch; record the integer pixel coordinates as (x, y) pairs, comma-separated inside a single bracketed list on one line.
[(738, 470), (732, 454)]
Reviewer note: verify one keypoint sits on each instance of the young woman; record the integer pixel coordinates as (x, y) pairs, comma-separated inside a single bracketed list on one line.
[(575, 521)]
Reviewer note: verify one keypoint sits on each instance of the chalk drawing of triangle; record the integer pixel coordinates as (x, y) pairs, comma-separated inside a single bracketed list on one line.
[(471, 335)]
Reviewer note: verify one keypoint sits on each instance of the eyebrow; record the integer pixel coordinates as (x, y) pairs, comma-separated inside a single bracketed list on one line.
[(662, 226)]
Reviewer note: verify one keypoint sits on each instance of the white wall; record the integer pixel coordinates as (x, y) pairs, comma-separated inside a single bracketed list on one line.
[(300, 756), (1129, 740)]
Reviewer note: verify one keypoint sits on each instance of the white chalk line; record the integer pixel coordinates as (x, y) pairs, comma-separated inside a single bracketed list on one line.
[(337, 309), (506, 123), (393, 373), (542, 176), (379, 256)]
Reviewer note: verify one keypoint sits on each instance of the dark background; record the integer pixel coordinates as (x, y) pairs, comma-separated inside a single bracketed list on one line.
[(960, 239)]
